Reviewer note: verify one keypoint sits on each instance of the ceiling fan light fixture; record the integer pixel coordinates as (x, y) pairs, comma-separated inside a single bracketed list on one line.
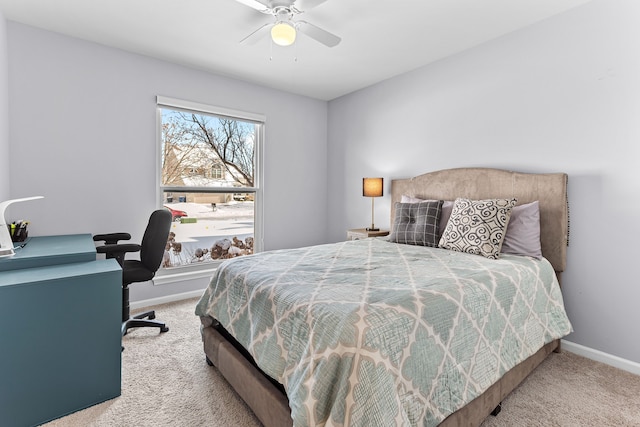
[(283, 34)]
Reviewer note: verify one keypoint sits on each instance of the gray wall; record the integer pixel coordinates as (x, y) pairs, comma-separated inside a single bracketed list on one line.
[(4, 115), (83, 135), (562, 95)]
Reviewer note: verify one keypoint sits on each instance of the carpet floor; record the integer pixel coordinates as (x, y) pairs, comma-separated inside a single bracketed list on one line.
[(166, 382)]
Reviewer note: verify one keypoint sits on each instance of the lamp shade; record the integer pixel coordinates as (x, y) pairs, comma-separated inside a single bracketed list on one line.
[(372, 187), (283, 34)]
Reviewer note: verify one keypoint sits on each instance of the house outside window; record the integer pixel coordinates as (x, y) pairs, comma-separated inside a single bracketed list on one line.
[(209, 175)]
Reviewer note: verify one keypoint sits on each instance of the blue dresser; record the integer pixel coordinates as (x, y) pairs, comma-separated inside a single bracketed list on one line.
[(60, 339)]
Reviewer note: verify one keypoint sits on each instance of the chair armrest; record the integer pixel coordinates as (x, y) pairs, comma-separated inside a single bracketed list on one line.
[(118, 251), (111, 238)]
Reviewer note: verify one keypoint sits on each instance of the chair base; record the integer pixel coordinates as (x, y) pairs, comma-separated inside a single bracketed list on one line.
[(143, 320)]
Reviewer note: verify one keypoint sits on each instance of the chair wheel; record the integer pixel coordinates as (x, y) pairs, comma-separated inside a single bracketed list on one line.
[(151, 316), (164, 329)]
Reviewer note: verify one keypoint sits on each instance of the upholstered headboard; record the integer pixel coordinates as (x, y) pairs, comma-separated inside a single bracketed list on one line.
[(483, 183)]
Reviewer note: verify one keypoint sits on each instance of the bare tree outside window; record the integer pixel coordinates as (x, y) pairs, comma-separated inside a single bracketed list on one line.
[(195, 140)]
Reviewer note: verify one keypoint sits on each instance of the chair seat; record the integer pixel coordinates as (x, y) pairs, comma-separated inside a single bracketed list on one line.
[(135, 271)]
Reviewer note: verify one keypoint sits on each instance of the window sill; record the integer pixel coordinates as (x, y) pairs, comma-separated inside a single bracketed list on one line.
[(167, 278)]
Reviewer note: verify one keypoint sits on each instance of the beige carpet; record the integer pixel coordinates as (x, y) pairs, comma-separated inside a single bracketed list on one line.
[(166, 382)]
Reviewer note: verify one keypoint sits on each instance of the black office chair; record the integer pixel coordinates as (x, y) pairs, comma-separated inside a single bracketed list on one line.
[(151, 250)]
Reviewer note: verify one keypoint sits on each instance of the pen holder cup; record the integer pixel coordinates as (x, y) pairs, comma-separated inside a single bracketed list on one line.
[(18, 234)]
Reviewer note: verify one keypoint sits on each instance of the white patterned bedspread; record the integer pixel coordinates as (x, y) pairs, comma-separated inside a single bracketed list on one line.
[(371, 333)]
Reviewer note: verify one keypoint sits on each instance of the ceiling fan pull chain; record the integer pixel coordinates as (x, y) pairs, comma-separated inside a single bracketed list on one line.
[(270, 50)]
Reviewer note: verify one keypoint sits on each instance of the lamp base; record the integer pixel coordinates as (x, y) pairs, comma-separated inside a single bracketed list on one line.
[(372, 229)]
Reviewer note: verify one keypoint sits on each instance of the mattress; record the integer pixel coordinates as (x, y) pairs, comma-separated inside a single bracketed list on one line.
[(373, 333)]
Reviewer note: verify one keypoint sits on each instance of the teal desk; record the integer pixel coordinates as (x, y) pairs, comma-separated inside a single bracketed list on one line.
[(60, 339), (51, 250)]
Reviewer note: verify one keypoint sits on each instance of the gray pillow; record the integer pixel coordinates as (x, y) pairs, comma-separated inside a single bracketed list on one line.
[(523, 231), (445, 213), (478, 226), (416, 223)]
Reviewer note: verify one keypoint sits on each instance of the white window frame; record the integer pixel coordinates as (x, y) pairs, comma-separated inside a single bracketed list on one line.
[(206, 270)]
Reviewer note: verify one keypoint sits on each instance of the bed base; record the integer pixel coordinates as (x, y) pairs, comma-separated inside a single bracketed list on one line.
[(266, 400), (269, 403)]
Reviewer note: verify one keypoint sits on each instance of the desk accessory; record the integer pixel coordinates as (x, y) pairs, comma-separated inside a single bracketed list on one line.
[(8, 230)]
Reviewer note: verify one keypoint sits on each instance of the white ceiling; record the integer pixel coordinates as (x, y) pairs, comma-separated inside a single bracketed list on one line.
[(380, 39)]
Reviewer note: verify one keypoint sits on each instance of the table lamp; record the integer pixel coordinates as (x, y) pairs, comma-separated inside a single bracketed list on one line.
[(372, 187), (6, 244)]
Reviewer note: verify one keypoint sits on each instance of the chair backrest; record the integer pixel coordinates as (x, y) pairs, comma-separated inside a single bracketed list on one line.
[(155, 237)]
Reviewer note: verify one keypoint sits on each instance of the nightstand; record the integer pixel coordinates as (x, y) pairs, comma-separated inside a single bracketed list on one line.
[(362, 233)]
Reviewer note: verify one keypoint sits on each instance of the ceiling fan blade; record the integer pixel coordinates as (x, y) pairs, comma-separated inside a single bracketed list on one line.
[(318, 34), (304, 5), (256, 35), (257, 5)]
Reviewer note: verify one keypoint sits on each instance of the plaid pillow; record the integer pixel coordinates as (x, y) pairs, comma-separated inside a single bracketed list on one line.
[(417, 223)]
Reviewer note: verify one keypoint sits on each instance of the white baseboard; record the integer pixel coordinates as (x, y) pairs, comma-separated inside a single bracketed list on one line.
[(600, 356), (163, 300)]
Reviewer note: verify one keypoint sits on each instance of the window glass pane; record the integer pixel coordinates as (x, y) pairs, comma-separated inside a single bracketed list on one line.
[(208, 227), (201, 150)]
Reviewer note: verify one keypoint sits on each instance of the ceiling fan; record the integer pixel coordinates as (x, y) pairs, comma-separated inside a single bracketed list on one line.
[(284, 29)]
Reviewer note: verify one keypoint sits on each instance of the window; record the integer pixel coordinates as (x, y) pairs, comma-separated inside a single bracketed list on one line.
[(217, 171), (209, 174)]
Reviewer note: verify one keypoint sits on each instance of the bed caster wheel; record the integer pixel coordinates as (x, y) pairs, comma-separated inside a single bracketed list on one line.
[(497, 410), (209, 362), (164, 329)]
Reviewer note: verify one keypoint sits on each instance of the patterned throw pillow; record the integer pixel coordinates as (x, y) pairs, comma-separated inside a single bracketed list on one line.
[(416, 223), (478, 226)]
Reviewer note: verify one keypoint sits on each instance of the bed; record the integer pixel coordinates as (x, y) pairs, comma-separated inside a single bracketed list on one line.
[(376, 332)]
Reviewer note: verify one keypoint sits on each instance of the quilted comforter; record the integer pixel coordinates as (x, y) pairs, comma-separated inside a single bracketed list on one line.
[(373, 333)]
